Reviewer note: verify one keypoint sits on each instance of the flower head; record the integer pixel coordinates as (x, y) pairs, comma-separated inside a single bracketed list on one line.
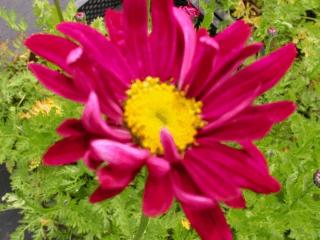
[(272, 31), (80, 17), (172, 98)]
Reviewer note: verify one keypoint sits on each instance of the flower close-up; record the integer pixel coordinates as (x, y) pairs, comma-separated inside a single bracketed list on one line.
[(170, 98)]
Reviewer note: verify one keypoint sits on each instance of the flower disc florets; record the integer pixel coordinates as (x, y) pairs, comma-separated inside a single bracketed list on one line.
[(152, 105)]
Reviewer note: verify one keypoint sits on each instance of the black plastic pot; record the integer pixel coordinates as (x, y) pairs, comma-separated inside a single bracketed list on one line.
[(96, 8), (9, 220)]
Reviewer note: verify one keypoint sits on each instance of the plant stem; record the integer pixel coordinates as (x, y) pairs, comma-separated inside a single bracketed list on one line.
[(142, 227), (268, 45), (59, 11), (209, 8)]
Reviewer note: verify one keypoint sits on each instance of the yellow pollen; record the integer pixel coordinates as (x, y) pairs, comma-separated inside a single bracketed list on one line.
[(152, 105)]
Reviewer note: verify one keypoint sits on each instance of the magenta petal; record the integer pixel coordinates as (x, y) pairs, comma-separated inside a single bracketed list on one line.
[(223, 69), (243, 102), (170, 150), (237, 58), (74, 55), (190, 40), (53, 48), (193, 200), (66, 151), (267, 72), (115, 24), (186, 191), (109, 76), (101, 194), (255, 155), (112, 178), (251, 124), (81, 70), (119, 154), (276, 112), (241, 128), (71, 128), (202, 66), (158, 195), (212, 181), (91, 161), (275, 65), (136, 32), (97, 45), (89, 77), (158, 167), (236, 164), (233, 37), (56, 82), (236, 202), (274, 185), (163, 27), (239, 97), (93, 122), (257, 160), (136, 21), (210, 224)]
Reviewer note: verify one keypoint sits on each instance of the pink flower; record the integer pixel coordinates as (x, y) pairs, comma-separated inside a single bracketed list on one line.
[(272, 31), (80, 17), (172, 99)]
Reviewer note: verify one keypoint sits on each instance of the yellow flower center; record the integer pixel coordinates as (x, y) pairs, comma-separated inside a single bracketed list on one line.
[(152, 105)]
